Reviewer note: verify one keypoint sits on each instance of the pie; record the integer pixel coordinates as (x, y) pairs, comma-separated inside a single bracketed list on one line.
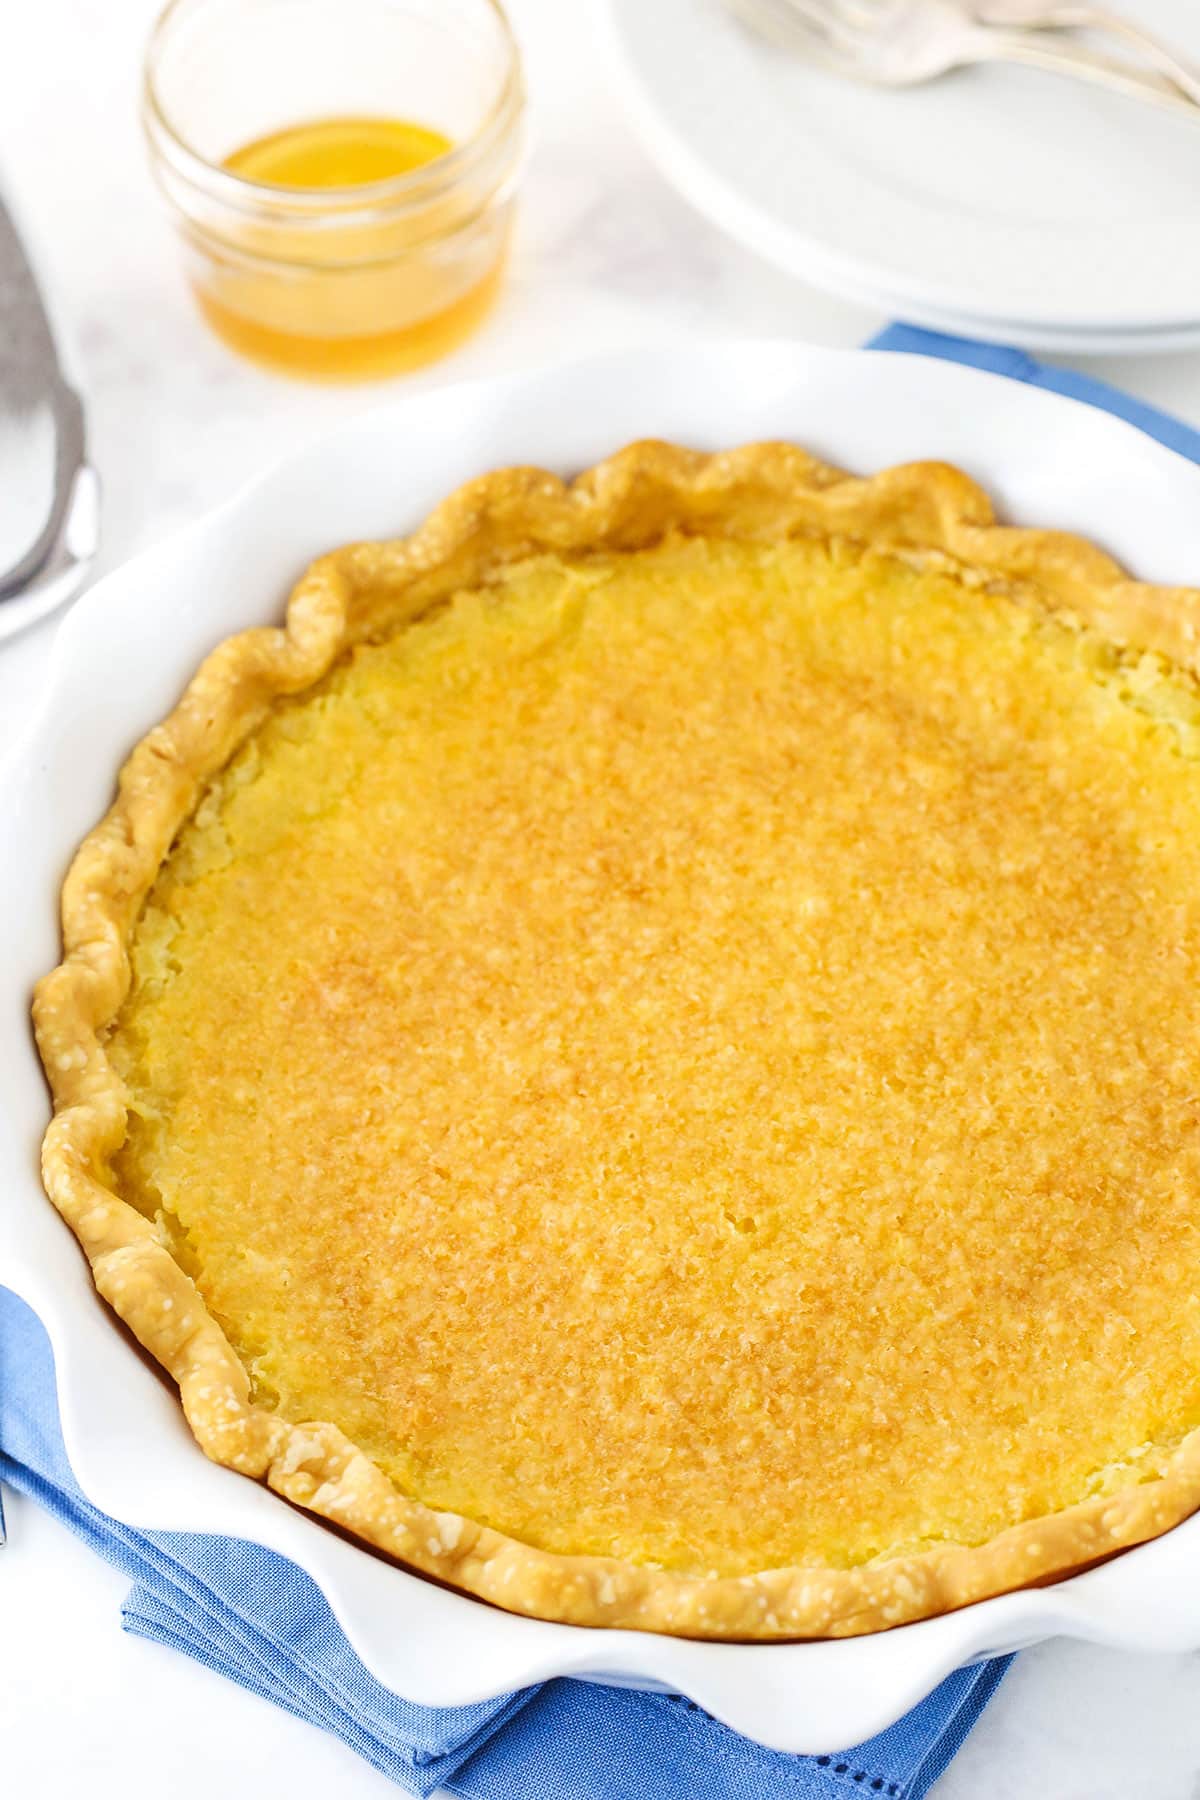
[(641, 1053)]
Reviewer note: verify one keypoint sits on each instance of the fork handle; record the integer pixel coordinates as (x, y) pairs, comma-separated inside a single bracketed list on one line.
[(1033, 49), (1069, 17)]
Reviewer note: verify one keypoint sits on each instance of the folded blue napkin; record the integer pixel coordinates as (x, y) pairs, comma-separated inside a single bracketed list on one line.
[(258, 1619)]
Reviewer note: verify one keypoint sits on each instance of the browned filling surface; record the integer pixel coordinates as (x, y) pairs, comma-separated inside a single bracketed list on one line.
[(691, 1055)]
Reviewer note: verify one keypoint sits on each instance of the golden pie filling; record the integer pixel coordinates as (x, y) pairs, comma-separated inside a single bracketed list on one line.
[(690, 1055)]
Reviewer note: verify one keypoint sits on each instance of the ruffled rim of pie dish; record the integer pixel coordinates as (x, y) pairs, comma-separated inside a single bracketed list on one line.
[(927, 511)]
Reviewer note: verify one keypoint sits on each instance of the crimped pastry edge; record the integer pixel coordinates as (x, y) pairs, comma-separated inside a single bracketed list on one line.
[(928, 510)]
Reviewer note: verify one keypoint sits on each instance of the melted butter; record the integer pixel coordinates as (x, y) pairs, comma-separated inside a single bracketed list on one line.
[(372, 302), (336, 153)]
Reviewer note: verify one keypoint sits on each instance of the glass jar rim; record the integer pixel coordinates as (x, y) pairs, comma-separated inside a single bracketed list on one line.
[(415, 187)]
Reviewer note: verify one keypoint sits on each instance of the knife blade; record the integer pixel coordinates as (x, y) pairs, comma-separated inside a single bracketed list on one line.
[(34, 392)]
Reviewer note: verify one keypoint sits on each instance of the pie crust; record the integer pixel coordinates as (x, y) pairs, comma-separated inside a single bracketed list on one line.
[(925, 513)]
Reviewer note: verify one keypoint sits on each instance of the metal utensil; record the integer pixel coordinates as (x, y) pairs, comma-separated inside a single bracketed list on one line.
[(899, 43), (1044, 15), (48, 526)]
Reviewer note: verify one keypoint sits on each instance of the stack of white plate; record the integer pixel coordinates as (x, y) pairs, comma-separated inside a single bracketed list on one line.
[(999, 202)]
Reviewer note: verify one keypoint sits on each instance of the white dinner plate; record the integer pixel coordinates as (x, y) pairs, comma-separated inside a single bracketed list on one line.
[(1040, 209), (119, 663)]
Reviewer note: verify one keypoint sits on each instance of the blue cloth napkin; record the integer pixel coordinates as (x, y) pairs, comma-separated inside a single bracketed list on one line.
[(258, 1619)]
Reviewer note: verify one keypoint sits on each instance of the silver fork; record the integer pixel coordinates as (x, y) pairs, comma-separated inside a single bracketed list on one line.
[(899, 43), (1045, 15)]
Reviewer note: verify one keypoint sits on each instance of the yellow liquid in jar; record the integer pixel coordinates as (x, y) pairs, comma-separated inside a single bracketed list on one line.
[(339, 153), (389, 307)]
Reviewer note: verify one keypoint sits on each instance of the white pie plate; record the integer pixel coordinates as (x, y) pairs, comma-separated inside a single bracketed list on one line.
[(119, 663)]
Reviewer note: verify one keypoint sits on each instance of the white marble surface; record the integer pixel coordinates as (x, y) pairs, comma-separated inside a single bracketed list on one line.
[(607, 256)]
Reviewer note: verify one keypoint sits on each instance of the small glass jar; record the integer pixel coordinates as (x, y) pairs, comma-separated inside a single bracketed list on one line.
[(338, 282)]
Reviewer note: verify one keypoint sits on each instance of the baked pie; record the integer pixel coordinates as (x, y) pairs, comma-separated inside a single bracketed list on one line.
[(641, 1053)]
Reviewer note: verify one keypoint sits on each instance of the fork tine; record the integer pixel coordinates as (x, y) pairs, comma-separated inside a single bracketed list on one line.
[(861, 15), (772, 20), (804, 25), (845, 22), (776, 23)]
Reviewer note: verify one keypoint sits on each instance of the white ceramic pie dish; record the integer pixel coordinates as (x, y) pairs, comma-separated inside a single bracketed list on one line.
[(119, 663)]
